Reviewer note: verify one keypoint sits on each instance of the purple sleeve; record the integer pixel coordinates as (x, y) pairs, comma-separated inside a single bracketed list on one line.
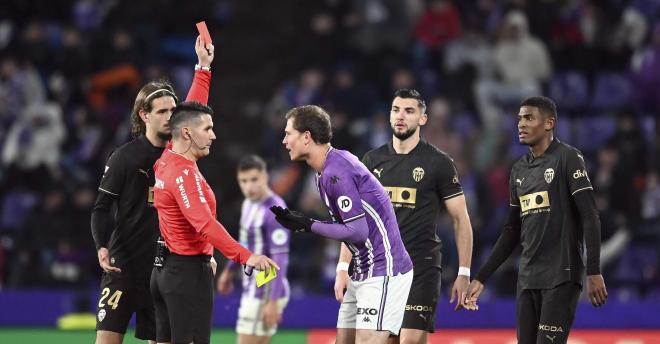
[(355, 231)]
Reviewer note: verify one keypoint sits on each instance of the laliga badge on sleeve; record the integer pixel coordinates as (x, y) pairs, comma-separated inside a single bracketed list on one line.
[(264, 277)]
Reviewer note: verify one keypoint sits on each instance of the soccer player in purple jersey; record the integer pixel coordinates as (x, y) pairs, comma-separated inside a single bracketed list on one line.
[(363, 219), (261, 308)]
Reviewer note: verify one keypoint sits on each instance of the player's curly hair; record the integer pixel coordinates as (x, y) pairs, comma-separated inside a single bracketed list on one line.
[(314, 119), (144, 101)]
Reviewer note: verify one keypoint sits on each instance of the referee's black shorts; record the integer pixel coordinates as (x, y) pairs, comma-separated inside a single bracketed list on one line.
[(423, 298), (546, 315), (183, 297), (121, 296)]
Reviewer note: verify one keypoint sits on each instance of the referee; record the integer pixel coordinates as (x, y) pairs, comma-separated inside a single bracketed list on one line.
[(552, 215), (182, 279), (420, 179), (126, 253)]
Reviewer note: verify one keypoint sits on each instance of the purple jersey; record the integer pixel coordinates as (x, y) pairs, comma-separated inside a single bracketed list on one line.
[(350, 192), (261, 234)]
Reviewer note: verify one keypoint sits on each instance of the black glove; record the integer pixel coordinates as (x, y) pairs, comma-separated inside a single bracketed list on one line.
[(292, 220)]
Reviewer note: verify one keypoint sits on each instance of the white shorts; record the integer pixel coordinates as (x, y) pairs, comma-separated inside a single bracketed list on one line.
[(377, 303), (249, 316)]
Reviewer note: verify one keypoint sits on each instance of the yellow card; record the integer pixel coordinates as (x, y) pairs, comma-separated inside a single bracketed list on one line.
[(263, 278)]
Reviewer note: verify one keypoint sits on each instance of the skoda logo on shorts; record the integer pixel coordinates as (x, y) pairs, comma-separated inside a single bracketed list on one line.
[(418, 174), (345, 204), (549, 175)]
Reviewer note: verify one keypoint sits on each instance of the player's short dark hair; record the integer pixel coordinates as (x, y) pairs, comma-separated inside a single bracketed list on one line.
[(545, 105), (314, 119), (251, 162), (144, 101), (408, 93), (185, 113)]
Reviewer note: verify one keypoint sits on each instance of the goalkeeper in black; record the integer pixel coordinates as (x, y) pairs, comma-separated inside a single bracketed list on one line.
[(552, 215)]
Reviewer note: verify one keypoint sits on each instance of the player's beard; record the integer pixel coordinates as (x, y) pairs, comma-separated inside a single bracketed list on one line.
[(403, 135)]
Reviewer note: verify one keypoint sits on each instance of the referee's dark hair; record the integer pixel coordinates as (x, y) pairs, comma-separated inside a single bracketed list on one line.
[(408, 93), (251, 162), (314, 119), (185, 113), (545, 105), (144, 101)]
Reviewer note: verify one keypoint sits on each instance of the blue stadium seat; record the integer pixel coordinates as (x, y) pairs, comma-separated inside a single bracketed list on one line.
[(570, 90), (592, 132), (611, 90)]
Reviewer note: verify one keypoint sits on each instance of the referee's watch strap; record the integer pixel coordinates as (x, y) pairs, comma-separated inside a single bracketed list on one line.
[(200, 67)]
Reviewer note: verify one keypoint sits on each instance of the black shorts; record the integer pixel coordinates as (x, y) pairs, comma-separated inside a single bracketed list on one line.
[(120, 297), (183, 297), (423, 298), (546, 315)]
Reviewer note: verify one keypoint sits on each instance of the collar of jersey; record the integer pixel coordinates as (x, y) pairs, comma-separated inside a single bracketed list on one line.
[(181, 158), (146, 142), (390, 147), (551, 148), (325, 163)]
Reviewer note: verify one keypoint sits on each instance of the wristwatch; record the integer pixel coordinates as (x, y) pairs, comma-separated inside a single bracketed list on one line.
[(199, 67)]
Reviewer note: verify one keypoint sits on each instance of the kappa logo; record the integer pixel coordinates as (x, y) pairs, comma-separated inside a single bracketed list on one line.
[(378, 171), (335, 179), (549, 175), (418, 174), (101, 315), (366, 319), (345, 204)]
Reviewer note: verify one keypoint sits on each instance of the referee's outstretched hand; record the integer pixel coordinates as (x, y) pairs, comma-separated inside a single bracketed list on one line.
[(596, 290), (261, 263), (104, 261)]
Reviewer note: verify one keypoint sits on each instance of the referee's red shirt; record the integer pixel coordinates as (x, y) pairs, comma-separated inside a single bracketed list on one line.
[(186, 210)]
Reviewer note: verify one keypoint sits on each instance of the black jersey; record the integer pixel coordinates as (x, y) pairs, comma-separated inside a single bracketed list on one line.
[(416, 182), (551, 232), (129, 177)]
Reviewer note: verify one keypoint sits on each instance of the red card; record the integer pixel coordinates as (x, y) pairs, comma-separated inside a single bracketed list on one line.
[(204, 33)]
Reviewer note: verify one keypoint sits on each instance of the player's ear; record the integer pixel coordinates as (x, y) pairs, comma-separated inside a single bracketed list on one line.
[(423, 119), (144, 116), (550, 123)]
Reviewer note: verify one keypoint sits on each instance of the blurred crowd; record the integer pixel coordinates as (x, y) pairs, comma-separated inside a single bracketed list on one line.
[(70, 69)]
